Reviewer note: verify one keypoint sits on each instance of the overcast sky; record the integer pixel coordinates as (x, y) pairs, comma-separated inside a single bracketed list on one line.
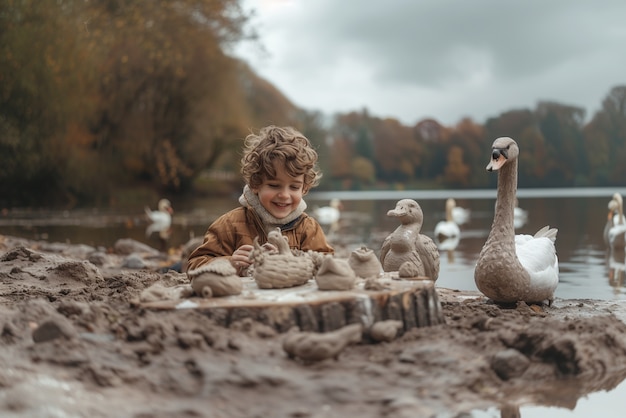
[(413, 59)]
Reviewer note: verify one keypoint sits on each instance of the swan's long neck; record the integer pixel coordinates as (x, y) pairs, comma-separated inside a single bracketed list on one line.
[(502, 229), (620, 212)]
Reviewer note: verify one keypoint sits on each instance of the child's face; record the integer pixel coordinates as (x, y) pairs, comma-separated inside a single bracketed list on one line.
[(281, 195)]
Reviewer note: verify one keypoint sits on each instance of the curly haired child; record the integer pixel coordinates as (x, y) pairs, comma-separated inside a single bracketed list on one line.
[(279, 167)]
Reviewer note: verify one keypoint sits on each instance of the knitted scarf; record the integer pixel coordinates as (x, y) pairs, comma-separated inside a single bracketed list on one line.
[(250, 200)]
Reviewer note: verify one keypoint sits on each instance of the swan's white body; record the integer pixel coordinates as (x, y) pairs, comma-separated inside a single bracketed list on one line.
[(161, 219), (328, 215), (448, 228), (514, 268), (520, 217), (459, 215), (616, 233)]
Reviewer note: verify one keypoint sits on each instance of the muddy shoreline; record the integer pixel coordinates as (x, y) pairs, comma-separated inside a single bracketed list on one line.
[(73, 344)]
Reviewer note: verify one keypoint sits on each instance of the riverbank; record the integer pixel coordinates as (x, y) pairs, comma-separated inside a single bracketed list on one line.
[(75, 345)]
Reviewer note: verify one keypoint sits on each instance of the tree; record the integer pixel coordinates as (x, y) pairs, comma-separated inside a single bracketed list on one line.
[(561, 126), (605, 138), (44, 90)]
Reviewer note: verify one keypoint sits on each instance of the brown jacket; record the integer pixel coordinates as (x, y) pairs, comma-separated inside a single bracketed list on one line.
[(241, 225)]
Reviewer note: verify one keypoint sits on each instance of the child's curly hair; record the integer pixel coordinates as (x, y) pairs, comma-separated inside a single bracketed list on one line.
[(285, 145)]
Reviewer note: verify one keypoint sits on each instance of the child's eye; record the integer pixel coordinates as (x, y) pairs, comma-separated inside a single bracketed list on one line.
[(295, 187)]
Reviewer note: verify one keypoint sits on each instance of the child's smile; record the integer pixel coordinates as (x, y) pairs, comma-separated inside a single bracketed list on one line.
[(281, 195)]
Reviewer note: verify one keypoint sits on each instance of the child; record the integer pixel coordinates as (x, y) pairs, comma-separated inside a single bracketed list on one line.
[(279, 167)]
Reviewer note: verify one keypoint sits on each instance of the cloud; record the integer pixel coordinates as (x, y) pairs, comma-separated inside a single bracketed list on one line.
[(444, 59)]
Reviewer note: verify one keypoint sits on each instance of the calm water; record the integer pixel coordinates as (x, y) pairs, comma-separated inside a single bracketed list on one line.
[(586, 268)]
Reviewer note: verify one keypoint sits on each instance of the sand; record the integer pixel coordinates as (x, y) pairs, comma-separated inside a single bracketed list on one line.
[(74, 345)]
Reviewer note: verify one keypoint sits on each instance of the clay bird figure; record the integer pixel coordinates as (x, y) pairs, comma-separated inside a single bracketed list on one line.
[(218, 278), (335, 274), (406, 250), (365, 263), (313, 346), (281, 269), (513, 268)]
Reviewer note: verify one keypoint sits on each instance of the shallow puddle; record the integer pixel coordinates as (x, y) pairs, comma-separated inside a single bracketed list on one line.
[(606, 401)]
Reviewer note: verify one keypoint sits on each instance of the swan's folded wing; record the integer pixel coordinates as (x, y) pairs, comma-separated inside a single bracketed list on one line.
[(538, 256)]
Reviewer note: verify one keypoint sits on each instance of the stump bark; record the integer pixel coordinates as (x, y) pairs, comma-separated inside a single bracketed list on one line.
[(414, 302)]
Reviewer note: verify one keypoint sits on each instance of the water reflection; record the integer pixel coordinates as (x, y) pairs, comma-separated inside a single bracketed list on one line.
[(600, 396), (616, 264)]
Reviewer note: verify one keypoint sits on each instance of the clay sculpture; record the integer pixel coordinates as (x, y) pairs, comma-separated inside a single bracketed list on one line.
[(218, 278), (406, 250), (513, 268), (365, 263), (335, 274), (282, 269), (386, 330), (312, 346)]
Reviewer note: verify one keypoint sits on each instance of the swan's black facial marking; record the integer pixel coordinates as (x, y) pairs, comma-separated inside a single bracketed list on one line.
[(498, 157), (497, 152)]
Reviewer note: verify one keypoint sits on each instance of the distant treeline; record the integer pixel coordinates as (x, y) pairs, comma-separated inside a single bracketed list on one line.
[(104, 100)]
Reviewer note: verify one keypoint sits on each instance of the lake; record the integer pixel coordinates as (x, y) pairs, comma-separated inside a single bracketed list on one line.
[(586, 268)]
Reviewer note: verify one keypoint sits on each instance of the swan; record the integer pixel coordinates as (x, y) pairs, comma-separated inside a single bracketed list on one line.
[(328, 215), (448, 228), (160, 219), (616, 235), (520, 216), (514, 268), (610, 220), (459, 215)]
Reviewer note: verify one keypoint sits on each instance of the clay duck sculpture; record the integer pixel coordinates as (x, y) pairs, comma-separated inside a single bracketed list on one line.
[(513, 268), (313, 346), (280, 269), (335, 274), (406, 250)]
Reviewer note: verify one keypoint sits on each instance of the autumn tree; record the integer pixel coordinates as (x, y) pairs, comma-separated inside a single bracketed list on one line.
[(169, 97), (44, 90)]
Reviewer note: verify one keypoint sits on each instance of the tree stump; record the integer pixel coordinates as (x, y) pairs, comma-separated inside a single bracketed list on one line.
[(414, 302)]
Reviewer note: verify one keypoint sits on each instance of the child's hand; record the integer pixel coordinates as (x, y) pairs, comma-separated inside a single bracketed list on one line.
[(240, 259)]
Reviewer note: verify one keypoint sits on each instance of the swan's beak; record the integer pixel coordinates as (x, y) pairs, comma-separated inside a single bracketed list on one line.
[(498, 158)]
